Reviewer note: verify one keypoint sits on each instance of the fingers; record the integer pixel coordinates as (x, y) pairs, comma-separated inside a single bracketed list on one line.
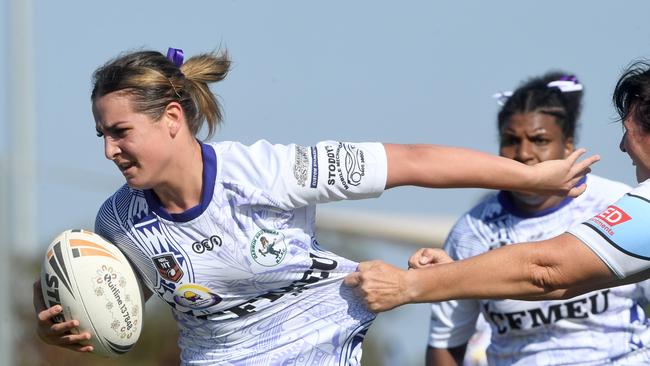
[(78, 348), (352, 280), (418, 259), (439, 256), (586, 163), (74, 339), (576, 191), (575, 155)]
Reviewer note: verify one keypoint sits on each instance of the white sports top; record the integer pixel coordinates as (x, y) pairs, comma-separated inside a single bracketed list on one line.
[(595, 328), (242, 271)]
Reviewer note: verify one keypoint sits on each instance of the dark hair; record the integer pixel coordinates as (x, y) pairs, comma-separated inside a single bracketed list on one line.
[(632, 94), (153, 81), (534, 95)]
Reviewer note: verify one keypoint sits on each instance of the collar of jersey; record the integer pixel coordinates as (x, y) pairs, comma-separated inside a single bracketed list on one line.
[(508, 204), (209, 175)]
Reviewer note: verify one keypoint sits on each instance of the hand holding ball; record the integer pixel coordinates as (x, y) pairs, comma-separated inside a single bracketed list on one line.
[(95, 284)]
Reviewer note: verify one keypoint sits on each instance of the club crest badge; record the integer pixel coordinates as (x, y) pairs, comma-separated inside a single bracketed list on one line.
[(168, 267), (268, 248)]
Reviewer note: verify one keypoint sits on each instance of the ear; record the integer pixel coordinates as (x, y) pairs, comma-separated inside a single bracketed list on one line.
[(174, 117), (568, 146)]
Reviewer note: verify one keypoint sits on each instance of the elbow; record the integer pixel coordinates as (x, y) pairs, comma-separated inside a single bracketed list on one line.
[(549, 281)]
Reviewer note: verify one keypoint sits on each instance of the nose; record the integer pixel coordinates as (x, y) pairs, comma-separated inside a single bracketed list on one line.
[(111, 149), (621, 145), (524, 152)]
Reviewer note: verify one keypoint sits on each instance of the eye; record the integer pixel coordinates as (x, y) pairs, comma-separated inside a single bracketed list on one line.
[(508, 140), (540, 140)]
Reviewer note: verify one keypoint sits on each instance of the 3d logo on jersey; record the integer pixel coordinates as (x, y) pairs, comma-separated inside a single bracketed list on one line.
[(268, 247), (614, 216), (195, 296), (609, 218), (625, 225), (168, 267)]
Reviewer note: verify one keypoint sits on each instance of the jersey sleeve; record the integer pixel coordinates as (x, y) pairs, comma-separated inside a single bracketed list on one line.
[(297, 176), (454, 322), (619, 235)]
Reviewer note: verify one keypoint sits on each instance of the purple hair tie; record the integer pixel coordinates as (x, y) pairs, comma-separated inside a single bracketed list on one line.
[(566, 84), (175, 55)]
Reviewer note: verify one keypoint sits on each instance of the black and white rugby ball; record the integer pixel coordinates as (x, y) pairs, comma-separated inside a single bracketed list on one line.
[(95, 284)]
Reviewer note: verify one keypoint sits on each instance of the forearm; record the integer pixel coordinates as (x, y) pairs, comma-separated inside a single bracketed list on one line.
[(448, 167), (558, 268)]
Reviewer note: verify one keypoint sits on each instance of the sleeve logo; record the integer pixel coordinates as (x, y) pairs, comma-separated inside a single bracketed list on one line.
[(613, 216), (347, 163), (300, 165)]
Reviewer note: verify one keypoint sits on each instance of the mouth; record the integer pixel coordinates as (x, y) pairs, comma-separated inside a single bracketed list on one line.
[(124, 166)]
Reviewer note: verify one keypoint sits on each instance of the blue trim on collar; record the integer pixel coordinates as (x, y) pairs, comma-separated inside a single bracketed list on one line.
[(508, 204), (209, 176)]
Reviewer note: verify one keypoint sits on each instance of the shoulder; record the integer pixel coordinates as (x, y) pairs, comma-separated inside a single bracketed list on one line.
[(468, 236), (233, 149), (256, 164), (115, 206), (123, 193), (599, 186), (642, 190)]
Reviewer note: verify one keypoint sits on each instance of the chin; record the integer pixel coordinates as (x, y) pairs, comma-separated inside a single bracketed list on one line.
[(529, 199), (135, 184)]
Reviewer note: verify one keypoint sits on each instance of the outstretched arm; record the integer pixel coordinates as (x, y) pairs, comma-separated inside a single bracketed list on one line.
[(452, 167), (561, 267)]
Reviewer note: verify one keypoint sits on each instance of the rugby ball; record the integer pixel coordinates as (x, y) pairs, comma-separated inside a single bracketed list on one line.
[(95, 284)]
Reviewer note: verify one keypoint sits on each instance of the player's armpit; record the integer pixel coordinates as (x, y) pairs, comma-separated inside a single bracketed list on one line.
[(446, 356)]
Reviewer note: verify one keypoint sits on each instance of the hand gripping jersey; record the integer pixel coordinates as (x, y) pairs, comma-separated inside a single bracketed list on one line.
[(242, 271), (596, 328)]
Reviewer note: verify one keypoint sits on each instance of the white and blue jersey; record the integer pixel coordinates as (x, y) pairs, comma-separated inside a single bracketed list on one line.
[(619, 234), (597, 328), (242, 271)]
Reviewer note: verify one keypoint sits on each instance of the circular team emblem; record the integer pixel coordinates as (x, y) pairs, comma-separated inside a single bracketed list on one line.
[(195, 296), (268, 247)]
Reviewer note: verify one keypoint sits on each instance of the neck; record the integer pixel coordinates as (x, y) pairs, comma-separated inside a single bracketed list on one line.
[(182, 190), (534, 204)]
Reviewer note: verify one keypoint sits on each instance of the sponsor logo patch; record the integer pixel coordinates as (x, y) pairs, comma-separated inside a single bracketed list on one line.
[(345, 163), (355, 165), (300, 164), (613, 216), (314, 167), (207, 245), (268, 247), (168, 267), (195, 296)]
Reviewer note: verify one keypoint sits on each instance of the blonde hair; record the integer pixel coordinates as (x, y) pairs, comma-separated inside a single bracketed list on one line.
[(153, 81)]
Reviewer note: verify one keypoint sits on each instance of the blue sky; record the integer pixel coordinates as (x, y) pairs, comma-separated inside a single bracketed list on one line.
[(403, 72)]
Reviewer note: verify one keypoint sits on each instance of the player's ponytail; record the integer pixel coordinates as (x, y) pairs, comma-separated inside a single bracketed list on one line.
[(199, 71), (153, 81)]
